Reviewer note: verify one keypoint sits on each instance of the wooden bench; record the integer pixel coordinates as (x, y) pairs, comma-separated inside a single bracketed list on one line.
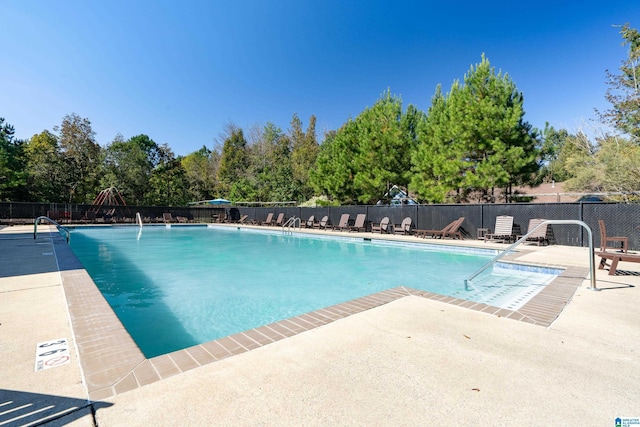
[(615, 258)]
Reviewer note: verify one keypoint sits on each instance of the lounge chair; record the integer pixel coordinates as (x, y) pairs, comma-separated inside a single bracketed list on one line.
[(454, 231), (323, 224), (343, 224), (360, 224), (450, 229), (605, 240), (381, 228), (539, 236), (310, 223), (267, 221), (503, 230), (615, 258), (167, 218), (241, 220), (404, 227), (280, 221)]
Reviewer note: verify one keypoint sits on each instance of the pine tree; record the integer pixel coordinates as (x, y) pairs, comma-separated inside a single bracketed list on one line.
[(477, 141)]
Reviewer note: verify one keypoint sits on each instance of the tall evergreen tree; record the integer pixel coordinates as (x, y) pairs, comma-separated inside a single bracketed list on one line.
[(282, 186), (368, 154), (482, 137), (383, 148), (304, 152), (13, 176), (233, 165), (439, 159), (333, 174)]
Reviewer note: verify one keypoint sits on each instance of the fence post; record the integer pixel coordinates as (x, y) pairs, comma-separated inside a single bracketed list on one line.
[(582, 219)]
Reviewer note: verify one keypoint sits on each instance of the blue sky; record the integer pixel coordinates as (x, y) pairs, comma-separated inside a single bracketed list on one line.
[(179, 71)]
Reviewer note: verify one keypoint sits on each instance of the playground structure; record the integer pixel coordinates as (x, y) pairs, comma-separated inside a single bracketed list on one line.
[(110, 197)]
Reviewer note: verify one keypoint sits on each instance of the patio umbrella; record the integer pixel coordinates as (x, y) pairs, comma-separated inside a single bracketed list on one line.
[(219, 202)]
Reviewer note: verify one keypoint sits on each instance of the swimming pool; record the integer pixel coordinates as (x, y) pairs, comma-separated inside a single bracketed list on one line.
[(180, 286)]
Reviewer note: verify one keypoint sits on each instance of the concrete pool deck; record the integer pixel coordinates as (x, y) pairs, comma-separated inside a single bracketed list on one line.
[(412, 361)]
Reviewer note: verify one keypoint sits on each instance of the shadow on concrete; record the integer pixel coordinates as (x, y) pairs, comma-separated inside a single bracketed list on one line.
[(20, 408), (607, 288), (23, 255)]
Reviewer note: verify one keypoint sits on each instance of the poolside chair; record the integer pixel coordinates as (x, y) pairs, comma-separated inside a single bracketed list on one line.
[(267, 221), (503, 230), (404, 227), (539, 236), (435, 232), (615, 258), (454, 231), (242, 219), (310, 223), (343, 224), (381, 228), (323, 224), (360, 224), (280, 221), (605, 240), (166, 217)]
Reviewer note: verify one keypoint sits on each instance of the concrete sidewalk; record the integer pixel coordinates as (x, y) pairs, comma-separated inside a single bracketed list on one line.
[(33, 309), (413, 361), (417, 362)]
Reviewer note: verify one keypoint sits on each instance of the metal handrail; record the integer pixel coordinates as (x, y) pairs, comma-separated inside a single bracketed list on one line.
[(592, 271), (291, 222), (35, 227)]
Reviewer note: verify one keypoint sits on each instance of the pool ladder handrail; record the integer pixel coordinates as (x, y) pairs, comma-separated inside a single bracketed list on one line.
[(291, 222), (35, 227), (592, 271)]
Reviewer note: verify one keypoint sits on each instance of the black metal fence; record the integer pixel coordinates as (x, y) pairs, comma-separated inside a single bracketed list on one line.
[(13, 213), (620, 219)]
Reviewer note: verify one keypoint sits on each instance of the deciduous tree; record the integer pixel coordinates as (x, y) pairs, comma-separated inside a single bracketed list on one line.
[(551, 152), (167, 184), (81, 155), (624, 89), (200, 173), (128, 166), (45, 168)]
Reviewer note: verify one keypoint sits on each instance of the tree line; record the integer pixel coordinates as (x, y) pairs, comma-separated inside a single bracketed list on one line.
[(472, 141)]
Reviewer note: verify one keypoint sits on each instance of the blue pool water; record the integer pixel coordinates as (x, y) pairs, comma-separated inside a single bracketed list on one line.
[(174, 287)]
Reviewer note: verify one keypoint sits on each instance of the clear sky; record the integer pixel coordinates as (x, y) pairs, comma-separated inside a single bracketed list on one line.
[(179, 71)]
